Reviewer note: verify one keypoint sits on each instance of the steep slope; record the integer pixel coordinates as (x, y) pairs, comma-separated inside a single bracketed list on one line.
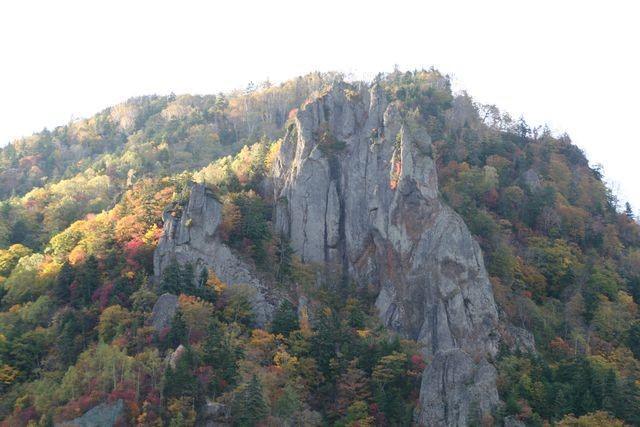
[(357, 191)]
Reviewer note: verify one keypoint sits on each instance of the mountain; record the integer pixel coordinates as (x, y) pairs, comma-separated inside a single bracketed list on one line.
[(318, 252)]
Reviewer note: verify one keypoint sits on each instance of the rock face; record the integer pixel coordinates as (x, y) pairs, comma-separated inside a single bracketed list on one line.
[(163, 311), (356, 192), (189, 236), (103, 415)]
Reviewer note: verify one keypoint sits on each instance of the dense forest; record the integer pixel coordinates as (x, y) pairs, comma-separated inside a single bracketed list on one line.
[(81, 214)]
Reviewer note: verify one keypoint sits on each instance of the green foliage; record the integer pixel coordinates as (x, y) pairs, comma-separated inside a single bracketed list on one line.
[(285, 319), (249, 406)]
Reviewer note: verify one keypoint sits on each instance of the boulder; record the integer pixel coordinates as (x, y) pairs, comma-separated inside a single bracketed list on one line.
[(163, 311)]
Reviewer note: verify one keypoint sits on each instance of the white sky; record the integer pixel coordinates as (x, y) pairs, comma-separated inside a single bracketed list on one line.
[(572, 64)]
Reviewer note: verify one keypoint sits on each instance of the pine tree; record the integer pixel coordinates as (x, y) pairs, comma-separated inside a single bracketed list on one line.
[(178, 333), (63, 281), (284, 267), (88, 279), (628, 211), (187, 279), (222, 356), (180, 381), (285, 319), (171, 278), (249, 406)]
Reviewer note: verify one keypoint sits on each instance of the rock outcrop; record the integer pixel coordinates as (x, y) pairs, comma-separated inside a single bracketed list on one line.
[(356, 192), (163, 311), (103, 415), (190, 236)]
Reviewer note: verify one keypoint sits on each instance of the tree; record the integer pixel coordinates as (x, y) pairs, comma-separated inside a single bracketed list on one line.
[(113, 321), (389, 377), (284, 253), (628, 211), (288, 403), (180, 381), (64, 280), (222, 356), (353, 386), (88, 279), (285, 319), (171, 278), (179, 331), (187, 279), (249, 406)]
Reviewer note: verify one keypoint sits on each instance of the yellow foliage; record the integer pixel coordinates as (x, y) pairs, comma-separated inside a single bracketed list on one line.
[(8, 374), (214, 282), (594, 419)]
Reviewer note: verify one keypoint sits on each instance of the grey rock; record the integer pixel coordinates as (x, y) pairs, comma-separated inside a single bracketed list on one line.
[(163, 311), (512, 421), (189, 236), (215, 411), (357, 195), (532, 179), (518, 339), (102, 415), (176, 355)]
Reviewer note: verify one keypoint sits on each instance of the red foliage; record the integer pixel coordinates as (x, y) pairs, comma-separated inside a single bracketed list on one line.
[(163, 333), (126, 391), (204, 374), (102, 295), (132, 251), (417, 362), (491, 198)]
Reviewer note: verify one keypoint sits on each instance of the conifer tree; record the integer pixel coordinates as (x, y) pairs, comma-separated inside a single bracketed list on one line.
[(249, 406), (285, 319), (178, 333), (171, 278), (63, 281), (88, 279)]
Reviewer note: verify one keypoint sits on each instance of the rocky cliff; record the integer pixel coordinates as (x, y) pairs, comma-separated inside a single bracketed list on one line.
[(190, 236), (356, 192)]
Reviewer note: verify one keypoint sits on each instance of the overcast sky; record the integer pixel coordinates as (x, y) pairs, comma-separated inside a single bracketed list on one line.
[(571, 64)]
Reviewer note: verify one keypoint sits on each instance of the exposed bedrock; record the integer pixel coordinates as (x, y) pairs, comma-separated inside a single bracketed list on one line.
[(190, 236), (356, 191)]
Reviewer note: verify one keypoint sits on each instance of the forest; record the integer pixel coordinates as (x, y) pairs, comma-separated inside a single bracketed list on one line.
[(81, 214)]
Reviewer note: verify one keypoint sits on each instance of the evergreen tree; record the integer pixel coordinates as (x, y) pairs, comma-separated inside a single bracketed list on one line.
[(222, 356), (63, 281), (178, 333), (171, 278), (284, 253), (285, 319), (628, 210), (88, 279), (249, 406), (180, 381), (187, 279)]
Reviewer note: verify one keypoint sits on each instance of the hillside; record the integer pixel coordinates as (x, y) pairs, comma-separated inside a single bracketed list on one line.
[(318, 252)]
